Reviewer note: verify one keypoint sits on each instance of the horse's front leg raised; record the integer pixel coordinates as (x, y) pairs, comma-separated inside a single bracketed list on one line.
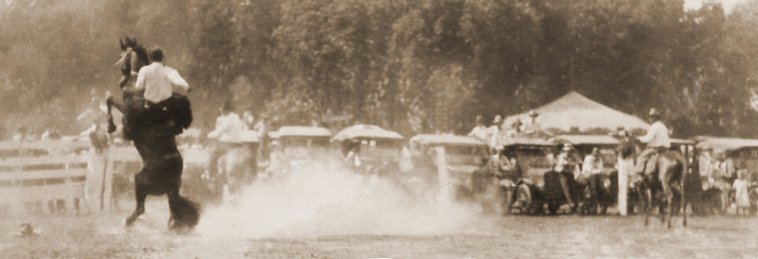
[(111, 103)]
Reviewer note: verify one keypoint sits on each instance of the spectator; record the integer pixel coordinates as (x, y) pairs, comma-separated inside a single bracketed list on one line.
[(248, 119), (626, 151), (593, 164), (515, 129), (705, 164), (21, 135), (532, 127), (741, 192), (494, 131), (228, 133), (479, 132)]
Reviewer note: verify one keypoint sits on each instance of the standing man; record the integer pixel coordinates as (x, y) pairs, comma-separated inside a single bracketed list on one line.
[(625, 164), (657, 140), (228, 131), (494, 132)]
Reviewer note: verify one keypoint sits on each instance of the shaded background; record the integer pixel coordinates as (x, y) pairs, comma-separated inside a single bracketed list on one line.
[(412, 66)]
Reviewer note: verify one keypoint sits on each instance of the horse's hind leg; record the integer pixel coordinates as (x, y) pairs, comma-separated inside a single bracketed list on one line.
[(647, 203), (185, 214), (669, 192), (140, 195)]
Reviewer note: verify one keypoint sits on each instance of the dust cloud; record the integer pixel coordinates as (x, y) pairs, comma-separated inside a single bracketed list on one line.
[(321, 201)]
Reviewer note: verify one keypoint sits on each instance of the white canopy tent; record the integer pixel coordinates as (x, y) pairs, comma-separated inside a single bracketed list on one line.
[(574, 110)]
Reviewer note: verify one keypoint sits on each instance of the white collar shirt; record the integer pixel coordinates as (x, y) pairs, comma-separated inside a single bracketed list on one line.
[(228, 129), (657, 136), (157, 80)]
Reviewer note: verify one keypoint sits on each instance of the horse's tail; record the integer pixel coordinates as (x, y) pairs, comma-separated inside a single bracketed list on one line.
[(184, 212)]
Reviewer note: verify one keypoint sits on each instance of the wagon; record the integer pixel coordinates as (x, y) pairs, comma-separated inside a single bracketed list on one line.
[(370, 149)]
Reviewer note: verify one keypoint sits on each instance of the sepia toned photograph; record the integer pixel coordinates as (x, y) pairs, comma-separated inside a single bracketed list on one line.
[(379, 129)]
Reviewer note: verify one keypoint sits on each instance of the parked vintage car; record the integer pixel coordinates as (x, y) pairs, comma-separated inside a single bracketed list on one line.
[(534, 157), (370, 149), (600, 190), (296, 148), (463, 157)]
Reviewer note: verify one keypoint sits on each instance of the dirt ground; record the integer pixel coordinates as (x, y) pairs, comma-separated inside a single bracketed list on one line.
[(101, 236)]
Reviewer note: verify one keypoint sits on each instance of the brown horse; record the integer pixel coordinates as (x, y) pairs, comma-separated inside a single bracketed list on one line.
[(667, 179)]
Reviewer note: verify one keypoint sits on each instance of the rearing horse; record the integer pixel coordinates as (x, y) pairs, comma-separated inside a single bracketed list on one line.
[(668, 178), (153, 136), (163, 165)]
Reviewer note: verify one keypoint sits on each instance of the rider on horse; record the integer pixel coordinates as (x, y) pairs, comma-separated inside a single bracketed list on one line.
[(153, 116), (657, 140)]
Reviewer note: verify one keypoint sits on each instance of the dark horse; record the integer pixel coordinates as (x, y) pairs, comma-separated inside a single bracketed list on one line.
[(668, 179), (153, 134), (163, 165)]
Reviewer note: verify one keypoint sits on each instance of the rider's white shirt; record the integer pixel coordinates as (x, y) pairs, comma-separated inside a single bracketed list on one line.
[(657, 136), (157, 80), (228, 128)]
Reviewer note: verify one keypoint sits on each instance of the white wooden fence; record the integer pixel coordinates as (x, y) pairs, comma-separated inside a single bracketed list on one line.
[(46, 177), (40, 177)]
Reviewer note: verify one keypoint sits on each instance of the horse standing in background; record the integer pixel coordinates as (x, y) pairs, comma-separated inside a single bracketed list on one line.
[(667, 178)]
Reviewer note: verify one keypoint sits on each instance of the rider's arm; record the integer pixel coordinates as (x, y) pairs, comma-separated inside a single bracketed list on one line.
[(176, 79), (140, 83)]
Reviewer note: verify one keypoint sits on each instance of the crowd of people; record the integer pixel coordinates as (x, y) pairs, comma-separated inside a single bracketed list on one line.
[(499, 132), (717, 169)]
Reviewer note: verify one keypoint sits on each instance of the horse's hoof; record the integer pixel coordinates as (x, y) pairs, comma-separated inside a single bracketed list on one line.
[(128, 221)]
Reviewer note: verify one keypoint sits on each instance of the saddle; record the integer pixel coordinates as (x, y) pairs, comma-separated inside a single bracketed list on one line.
[(167, 118)]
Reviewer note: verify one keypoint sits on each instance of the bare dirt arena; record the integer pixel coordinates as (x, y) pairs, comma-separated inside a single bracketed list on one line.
[(360, 218), (567, 236)]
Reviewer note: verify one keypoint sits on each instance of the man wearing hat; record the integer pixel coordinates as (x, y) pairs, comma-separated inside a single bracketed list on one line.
[(657, 140), (532, 126), (515, 130)]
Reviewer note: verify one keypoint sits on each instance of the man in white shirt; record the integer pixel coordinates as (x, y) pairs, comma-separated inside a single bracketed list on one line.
[(593, 164), (228, 133), (494, 132), (657, 140), (159, 81), (480, 132)]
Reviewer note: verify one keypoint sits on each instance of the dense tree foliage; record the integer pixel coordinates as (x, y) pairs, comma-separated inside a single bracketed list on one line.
[(413, 66)]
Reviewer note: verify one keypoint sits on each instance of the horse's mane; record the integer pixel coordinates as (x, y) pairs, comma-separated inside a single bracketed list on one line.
[(141, 55)]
